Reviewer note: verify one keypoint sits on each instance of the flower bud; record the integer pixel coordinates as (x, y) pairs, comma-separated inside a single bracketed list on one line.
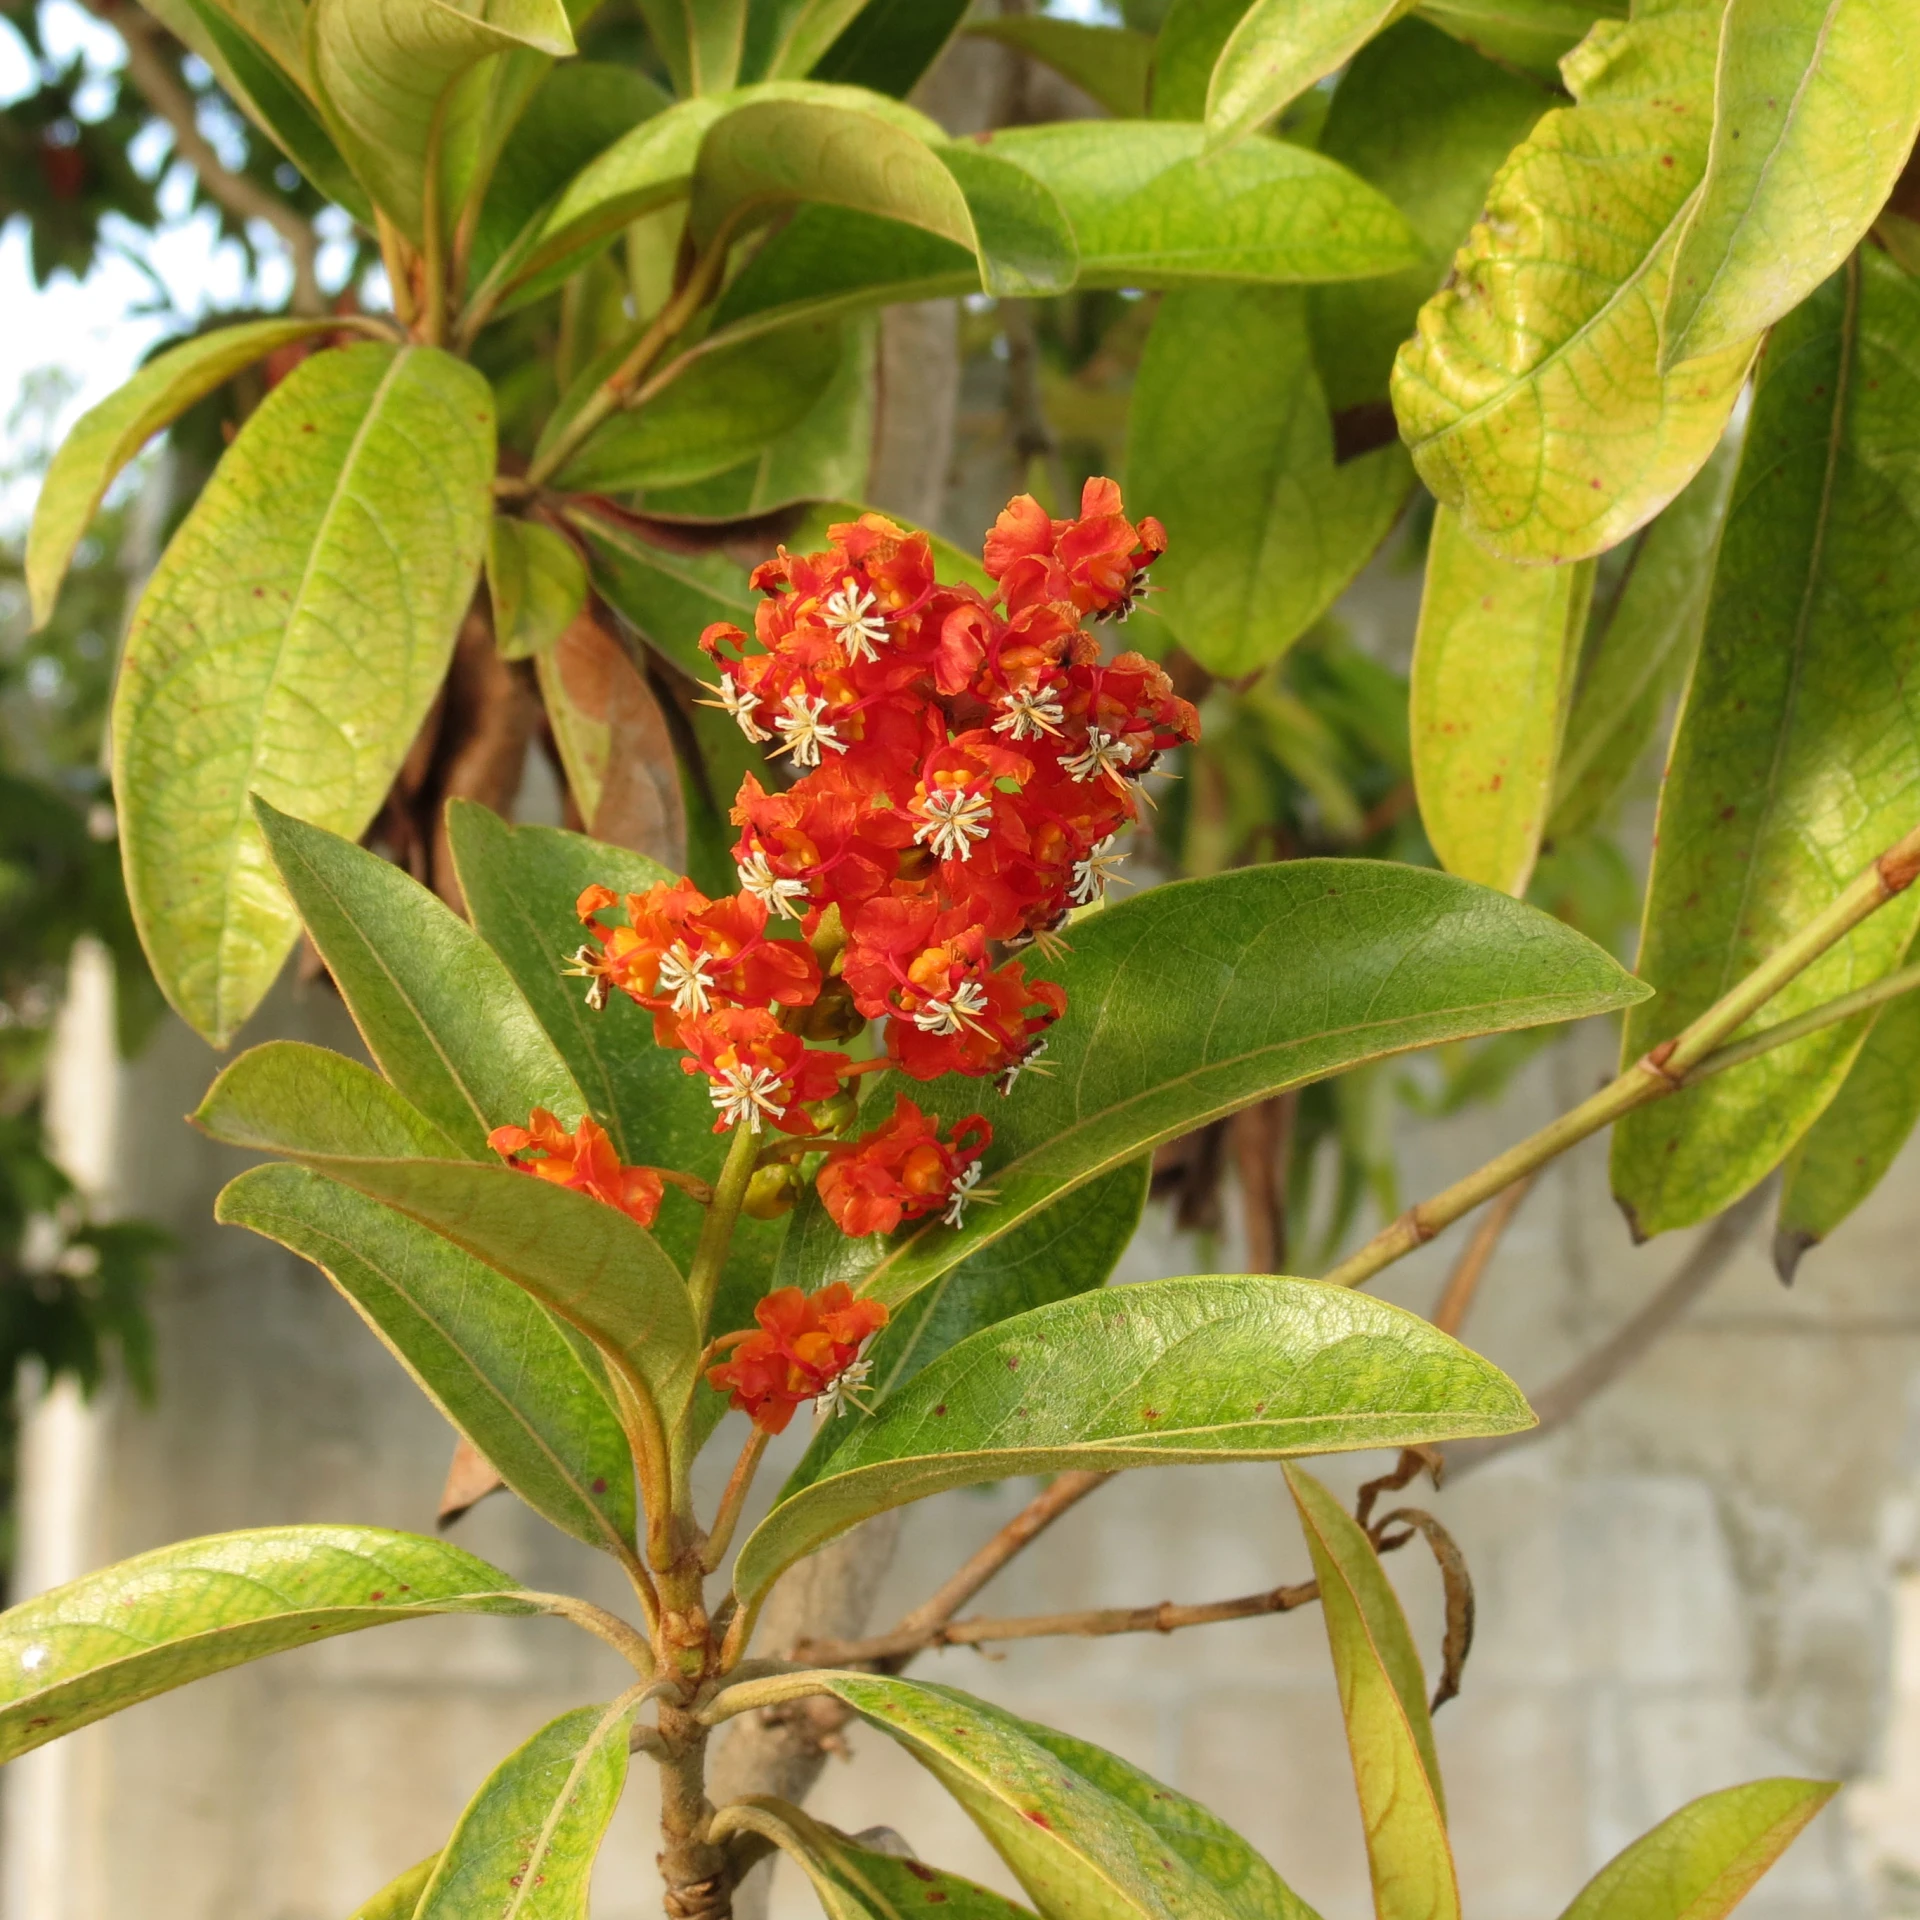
[(773, 1190), (833, 1016), (837, 1114)]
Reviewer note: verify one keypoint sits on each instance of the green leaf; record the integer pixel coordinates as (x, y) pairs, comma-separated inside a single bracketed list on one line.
[(772, 154), (1383, 1700), (289, 644), (653, 167), (398, 1898), (1557, 297), (524, 1848), (1426, 121), (1066, 1249), (259, 55), (386, 71), (520, 884), (699, 40), (584, 1260), (487, 1356), (670, 597), (1843, 1156), (1289, 973), (161, 1619), (785, 37), (1148, 211), (1815, 106), (1493, 671), (537, 582), (579, 111), (1278, 50), (1641, 640), (1185, 52), (438, 1011), (288, 1096), (109, 435), (1088, 1836), (723, 403), (1230, 444), (853, 1882), (1699, 1863), (1163, 1373), (891, 44), (823, 456), (1533, 35), (1112, 64), (1810, 662)]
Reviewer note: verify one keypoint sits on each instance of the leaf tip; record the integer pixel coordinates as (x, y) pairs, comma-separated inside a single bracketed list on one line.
[(1790, 1247)]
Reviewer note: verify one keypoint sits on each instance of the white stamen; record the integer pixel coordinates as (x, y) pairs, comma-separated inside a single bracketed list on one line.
[(956, 1011), (850, 615), (959, 1193), (774, 891), (745, 1093), (683, 973), (584, 968), (1029, 712), (1093, 875), (1031, 1058), (843, 1393), (1103, 754), (742, 706), (951, 818), (804, 731)]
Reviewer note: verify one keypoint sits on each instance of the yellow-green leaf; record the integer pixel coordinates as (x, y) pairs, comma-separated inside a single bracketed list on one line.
[(1110, 63), (385, 70), (1164, 1373), (1641, 639), (1088, 1836), (537, 581), (853, 1882), (161, 1619), (1556, 300), (1278, 50), (1797, 756), (398, 1898), (109, 435), (289, 644), (700, 41), (1815, 107), (524, 1848), (1382, 1697), (1493, 669), (1231, 445), (1700, 1863), (1846, 1152), (1532, 35)]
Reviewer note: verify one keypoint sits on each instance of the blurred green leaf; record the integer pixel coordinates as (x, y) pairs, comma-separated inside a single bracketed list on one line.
[(1112, 64), (537, 583)]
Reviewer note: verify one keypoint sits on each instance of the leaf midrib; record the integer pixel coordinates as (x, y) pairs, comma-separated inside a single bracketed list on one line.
[(237, 839), (589, 1750)]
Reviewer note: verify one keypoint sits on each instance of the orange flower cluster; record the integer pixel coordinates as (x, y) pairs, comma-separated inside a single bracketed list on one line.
[(966, 762), (808, 1345), (583, 1160), (903, 1170)]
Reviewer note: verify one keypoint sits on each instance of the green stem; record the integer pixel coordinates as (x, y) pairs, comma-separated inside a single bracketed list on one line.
[(739, 1484), (1665, 1069), (1829, 1013), (716, 1233), (613, 392)]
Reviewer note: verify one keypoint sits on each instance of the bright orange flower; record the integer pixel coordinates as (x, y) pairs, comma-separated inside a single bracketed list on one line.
[(1097, 561), (903, 1170), (583, 1160), (760, 1071), (681, 953), (807, 1345)]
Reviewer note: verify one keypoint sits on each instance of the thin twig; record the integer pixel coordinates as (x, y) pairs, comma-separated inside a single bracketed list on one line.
[(1464, 1280), (1591, 1375), (152, 73), (1664, 1069), (1086, 1622), (1066, 1491)]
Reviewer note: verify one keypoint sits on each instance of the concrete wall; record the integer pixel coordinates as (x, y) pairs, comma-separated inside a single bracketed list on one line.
[(1692, 1585)]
